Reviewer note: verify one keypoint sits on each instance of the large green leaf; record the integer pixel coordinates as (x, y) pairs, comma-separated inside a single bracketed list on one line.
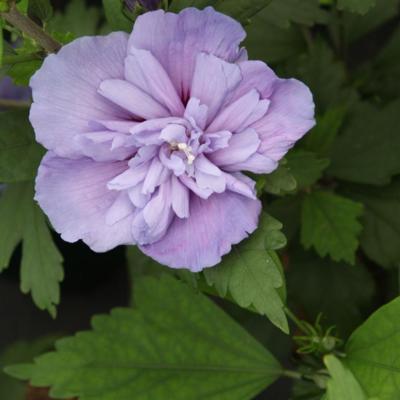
[(357, 6), (19, 153), (368, 149), (373, 353), (306, 167), (342, 293), (176, 343), (330, 225), (41, 265), (252, 273), (115, 17), (342, 384), (381, 234)]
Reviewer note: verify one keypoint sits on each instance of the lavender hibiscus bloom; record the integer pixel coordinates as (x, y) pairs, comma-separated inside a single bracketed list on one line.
[(149, 134)]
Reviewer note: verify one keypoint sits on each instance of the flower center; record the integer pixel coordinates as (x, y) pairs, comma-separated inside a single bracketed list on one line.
[(187, 150)]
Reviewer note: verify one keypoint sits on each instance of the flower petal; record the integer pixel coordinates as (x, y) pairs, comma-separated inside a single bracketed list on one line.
[(144, 71), (290, 116), (65, 91), (213, 80), (175, 40), (75, 197), (214, 225), (132, 99)]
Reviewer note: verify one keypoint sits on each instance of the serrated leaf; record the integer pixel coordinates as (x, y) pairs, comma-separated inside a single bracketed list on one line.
[(252, 273), (356, 6), (373, 353), (115, 17), (20, 154), (17, 353), (306, 167), (176, 341), (41, 265), (342, 384), (330, 225), (281, 181), (368, 149), (381, 233), (341, 292)]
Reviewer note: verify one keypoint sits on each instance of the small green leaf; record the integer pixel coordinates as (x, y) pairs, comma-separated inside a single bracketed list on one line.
[(381, 234), (41, 266), (1, 42), (20, 154), (356, 6), (115, 17), (368, 149), (21, 73), (342, 384), (241, 10), (306, 167), (252, 273), (373, 353), (330, 225), (281, 181), (176, 341)]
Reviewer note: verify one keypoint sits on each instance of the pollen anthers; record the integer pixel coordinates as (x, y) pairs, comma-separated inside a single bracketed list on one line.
[(187, 150)]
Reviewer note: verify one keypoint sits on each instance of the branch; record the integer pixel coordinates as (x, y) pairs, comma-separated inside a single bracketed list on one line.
[(31, 29)]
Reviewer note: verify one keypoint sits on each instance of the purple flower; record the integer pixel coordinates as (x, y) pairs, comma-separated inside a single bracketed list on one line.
[(148, 135)]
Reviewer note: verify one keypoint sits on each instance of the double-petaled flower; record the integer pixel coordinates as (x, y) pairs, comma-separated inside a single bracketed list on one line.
[(149, 136)]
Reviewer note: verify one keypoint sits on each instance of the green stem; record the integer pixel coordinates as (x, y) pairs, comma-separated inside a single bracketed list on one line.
[(31, 29), (292, 374), (6, 103), (19, 58), (296, 321)]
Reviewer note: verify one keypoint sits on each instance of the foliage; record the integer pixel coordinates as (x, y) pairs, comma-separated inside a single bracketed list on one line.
[(326, 247)]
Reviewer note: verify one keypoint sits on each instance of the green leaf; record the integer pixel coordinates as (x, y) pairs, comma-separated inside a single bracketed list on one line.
[(356, 6), (20, 352), (20, 154), (41, 266), (325, 75), (342, 293), (252, 273), (330, 225), (1, 42), (342, 384), (176, 341), (356, 25), (271, 43), (71, 19), (41, 9), (381, 234), (306, 167), (241, 10), (281, 181), (179, 5), (373, 353), (305, 12), (368, 149), (321, 138), (115, 16), (21, 73)]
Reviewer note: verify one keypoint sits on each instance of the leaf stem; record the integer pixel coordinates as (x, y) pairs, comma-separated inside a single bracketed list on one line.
[(7, 103), (296, 321), (30, 28)]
